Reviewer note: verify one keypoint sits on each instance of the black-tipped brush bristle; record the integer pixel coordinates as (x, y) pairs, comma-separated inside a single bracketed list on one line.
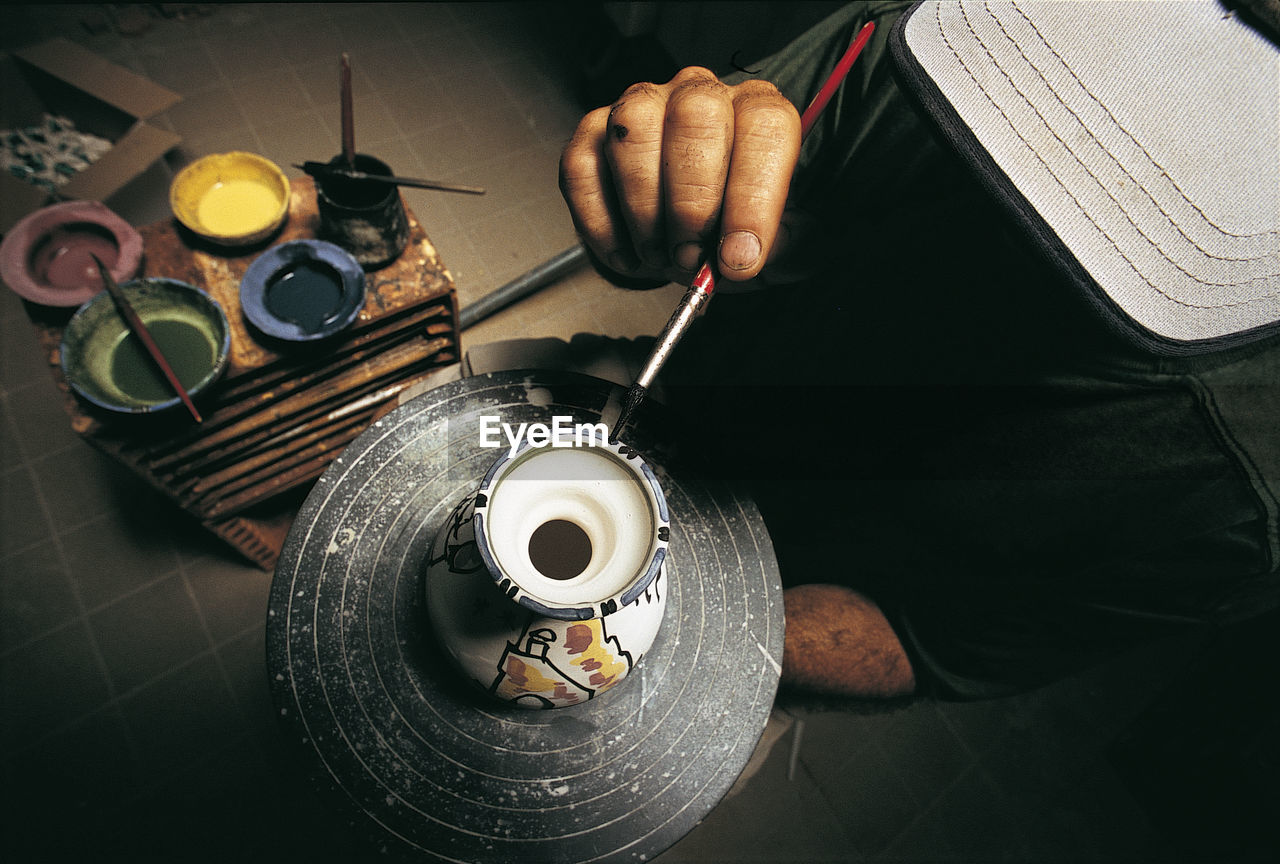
[(633, 398)]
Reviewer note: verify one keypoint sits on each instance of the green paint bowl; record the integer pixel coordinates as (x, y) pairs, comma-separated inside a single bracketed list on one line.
[(107, 366)]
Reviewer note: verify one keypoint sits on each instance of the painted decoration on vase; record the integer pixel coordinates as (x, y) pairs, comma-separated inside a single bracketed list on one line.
[(521, 653), (529, 672)]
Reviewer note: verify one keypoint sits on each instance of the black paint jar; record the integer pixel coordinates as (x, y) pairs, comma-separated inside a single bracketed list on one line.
[(365, 217)]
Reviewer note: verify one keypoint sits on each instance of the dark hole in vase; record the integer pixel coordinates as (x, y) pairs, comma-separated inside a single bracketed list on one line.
[(559, 549)]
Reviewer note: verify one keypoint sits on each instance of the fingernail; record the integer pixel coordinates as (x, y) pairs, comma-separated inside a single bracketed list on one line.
[(623, 261), (688, 256), (739, 250)]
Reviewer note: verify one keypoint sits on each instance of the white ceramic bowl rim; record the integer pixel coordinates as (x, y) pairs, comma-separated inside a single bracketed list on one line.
[(575, 598)]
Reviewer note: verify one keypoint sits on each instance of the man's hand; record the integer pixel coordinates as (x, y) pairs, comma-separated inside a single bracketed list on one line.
[(672, 172)]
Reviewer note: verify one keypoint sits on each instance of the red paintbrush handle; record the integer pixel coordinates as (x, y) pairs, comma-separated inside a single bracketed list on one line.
[(705, 280), (834, 81), (136, 325)]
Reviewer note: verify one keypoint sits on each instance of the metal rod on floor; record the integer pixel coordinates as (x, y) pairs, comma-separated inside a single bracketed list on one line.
[(793, 758), (522, 286)]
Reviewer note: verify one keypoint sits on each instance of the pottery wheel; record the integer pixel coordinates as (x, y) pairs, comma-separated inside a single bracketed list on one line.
[(425, 764)]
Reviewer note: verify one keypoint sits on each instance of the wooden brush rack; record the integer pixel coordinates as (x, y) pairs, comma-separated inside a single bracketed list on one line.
[(281, 413)]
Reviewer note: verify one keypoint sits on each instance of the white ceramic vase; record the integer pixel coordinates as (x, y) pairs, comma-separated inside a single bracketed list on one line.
[(548, 584)]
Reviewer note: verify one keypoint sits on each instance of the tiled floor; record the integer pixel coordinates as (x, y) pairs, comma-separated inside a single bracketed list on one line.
[(134, 715)]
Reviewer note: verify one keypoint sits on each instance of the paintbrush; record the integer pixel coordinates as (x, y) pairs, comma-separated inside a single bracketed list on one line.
[(140, 330), (348, 119), (695, 300), (321, 170)]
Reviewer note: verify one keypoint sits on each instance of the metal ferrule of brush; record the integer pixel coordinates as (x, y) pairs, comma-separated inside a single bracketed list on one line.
[(695, 300)]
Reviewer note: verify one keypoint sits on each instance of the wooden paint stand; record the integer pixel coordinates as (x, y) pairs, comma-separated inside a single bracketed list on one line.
[(282, 412)]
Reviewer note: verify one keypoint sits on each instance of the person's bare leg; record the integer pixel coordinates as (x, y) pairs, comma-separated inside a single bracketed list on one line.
[(838, 643)]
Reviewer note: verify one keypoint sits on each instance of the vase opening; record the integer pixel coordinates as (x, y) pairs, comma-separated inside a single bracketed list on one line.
[(571, 526), (560, 549)]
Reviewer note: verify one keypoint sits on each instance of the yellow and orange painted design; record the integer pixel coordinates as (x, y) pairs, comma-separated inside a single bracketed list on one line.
[(528, 672)]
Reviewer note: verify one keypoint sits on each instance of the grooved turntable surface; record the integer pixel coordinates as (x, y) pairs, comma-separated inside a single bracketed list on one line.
[(425, 764)]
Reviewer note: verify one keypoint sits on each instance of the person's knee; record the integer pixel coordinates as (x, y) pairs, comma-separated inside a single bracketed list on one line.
[(839, 643)]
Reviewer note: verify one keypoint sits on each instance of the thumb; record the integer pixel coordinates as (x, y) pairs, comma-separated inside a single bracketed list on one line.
[(792, 257)]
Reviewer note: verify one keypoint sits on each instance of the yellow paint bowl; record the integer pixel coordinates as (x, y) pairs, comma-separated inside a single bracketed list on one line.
[(232, 199)]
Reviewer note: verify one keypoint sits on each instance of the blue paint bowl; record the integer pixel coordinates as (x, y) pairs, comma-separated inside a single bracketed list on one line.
[(302, 290)]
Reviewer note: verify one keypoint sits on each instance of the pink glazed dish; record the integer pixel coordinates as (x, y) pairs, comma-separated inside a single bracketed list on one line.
[(47, 257)]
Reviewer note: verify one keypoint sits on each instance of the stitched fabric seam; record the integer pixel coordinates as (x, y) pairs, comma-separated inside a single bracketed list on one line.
[(1181, 193), (1070, 197), (1125, 171), (1120, 207)]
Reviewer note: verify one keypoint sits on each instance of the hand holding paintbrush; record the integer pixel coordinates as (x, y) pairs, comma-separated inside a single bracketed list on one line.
[(645, 178)]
